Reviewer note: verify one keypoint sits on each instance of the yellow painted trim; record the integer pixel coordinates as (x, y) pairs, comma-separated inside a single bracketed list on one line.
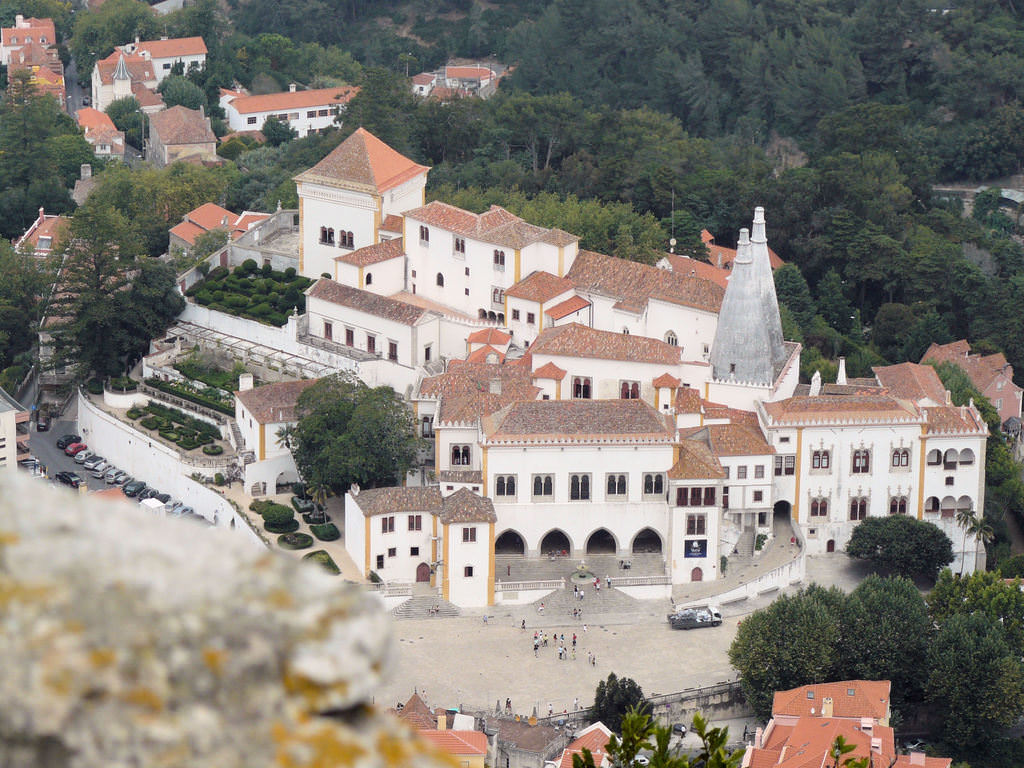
[(490, 566), (302, 262), (433, 548), (920, 479), (517, 265), (796, 473), (378, 212), (446, 582), (263, 442), (366, 570), (657, 399), (437, 450), (540, 317), (359, 280), (558, 390), (483, 451), (561, 261)]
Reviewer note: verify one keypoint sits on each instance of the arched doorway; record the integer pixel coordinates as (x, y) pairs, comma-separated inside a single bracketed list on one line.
[(555, 543), (830, 546), (647, 541), (601, 542), (696, 575), (509, 543), (422, 573), (782, 511)]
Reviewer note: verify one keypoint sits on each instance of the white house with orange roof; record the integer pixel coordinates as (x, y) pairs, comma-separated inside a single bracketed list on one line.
[(594, 738), (164, 53), (44, 234), (120, 76), (207, 217), (99, 130), (26, 32), (306, 112), (991, 374)]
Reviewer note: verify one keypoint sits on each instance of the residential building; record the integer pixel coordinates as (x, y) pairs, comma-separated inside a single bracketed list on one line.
[(467, 748), (423, 83), (845, 700), (14, 432), (26, 32), (306, 112), (99, 130), (991, 375), (594, 738), (180, 133), (46, 69), (520, 744), (207, 217), (189, 52), (116, 76), (44, 234)]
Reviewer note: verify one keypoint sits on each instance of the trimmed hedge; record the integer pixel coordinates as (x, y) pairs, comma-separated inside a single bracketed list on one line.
[(310, 516), (321, 558), (302, 506), (289, 526), (179, 390), (276, 513), (152, 422), (94, 386), (123, 384), (134, 413), (213, 450), (326, 532), (295, 541)]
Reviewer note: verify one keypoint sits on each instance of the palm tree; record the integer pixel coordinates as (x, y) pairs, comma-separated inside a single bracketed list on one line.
[(318, 492), (982, 531), (965, 518), (285, 436)]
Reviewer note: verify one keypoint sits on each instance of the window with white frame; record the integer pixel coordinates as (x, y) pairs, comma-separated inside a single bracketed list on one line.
[(898, 505), (615, 486), (671, 338), (469, 534), (387, 524), (543, 486), (858, 507), (901, 458), (415, 522), (459, 245), (861, 461), (505, 485), (581, 387), (696, 525), (821, 459), (460, 456), (499, 260), (654, 484), (819, 507), (424, 235), (629, 390), (579, 487)]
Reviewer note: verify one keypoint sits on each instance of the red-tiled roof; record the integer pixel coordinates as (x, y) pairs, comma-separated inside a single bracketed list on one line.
[(911, 381), (210, 216), (923, 761), (482, 355), (364, 301), (470, 390), (417, 714), (633, 284), (980, 370), (688, 400), (464, 506), (364, 160), (469, 73), (168, 49), (274, 403), (539, 287), (850, 698), (721, 256), (495, 225), (808, 743), (181, 125), (666, 380), (146, 97), (287, 100), (139, 69), (34, 28), (733, 440), (549, 371), (187, 231), (91, 119), (696, 462), (595, 739), (457, 743), (52, 227), (567, 307), (576, 340), (489, 336), (840, 409), (951, 419), (424, 78), (684, 265), (378, 501), (385, 250), (579, 421), (391, 223)]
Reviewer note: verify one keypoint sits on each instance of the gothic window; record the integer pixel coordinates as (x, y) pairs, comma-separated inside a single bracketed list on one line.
[(861, 461)]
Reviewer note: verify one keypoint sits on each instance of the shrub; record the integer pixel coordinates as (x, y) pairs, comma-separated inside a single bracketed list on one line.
[(278, 319), (218, 479), (151, 422), (295, 540), (217, 273), (289, 273), (272, 512), (302, 505), (169, 434), (289, 526), (249, 266), (123, 384), (266, 269), (299, 489), (316, 518), (374, 578), (203, 298), (134, 413), (212, 450), (95, 386), (326, 532), (320, 557)]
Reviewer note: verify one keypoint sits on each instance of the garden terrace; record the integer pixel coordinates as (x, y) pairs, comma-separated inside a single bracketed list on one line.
[(265, 295), (210, 397), (187, 432)]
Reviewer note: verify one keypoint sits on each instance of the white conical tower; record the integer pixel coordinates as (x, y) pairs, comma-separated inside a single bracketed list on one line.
[(766, 281)]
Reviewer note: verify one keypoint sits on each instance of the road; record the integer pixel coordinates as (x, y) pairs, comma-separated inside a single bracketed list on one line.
[(44, 448), (75, 92)]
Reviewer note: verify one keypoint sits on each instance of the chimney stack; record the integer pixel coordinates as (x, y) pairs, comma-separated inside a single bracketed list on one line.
[(841, 376), (442, 721), (19, 21), (876, 745), (245, 382), (826, 707), (291, 87), (815, 384), (85, 171)]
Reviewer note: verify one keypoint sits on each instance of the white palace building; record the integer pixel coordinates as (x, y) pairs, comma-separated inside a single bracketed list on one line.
[(575, 403)]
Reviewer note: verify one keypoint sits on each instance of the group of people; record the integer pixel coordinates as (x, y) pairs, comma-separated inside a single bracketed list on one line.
[(566, 649)]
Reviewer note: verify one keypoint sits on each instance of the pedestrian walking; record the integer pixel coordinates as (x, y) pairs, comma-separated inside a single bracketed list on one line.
[(524, 623), (541, 608), (576, 704), (608, 581), (551, 709), (593, 660), (573, 639), (574, 653), (584, 627)]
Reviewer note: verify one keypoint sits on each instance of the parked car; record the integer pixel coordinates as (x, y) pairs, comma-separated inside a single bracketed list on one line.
[(174, 508), (163, 498), (679, 728), (148, 493), (100, 470), (112, 474), (69, 478), (123, 479), (83, 456), (66, 440), (134, 488), (92, 462), (75, 448), (42, 423)]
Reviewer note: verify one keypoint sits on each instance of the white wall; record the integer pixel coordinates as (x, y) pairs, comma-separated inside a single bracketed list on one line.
[(162, 66), (298, 119), (340, 209), (469, 591)]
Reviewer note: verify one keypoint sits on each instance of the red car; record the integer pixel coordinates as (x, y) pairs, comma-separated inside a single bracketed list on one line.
[(74, 448)]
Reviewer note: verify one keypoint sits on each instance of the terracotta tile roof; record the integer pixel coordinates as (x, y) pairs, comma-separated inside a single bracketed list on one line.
[(52, 227), (808, 742), (364, 301), (424, 78), (421, 301), (365, 161), (720, 256), (906, 761), (489, 336), (210, 216), (549, 371), (146, 97), (850, 698), (181, 125), (469, 73), (374, 254), (576, 340), (567, 307), (595, 739), (139, 69), (684, 265), (35, 54), (457, 743), (560, 237), (911, 381), (417, 714), (540, 286), (666, 380), (482, 355), (91, 119), (496, 225), (633, 284), (467, 391), (951, 419), (688, 400), (833, 409), (287, 100), (460, 476), (248, 219), (34, 28), (392, 223), (464, 506), (577, 421), (538, 739), (733, 440), (274, 403), (381, 501), (187, 231), (167, 49), (982, 371), (734, 415), (696, 462)]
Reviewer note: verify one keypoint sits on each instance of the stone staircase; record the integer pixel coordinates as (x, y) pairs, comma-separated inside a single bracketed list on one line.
[(519, 568), (418, 607), (745, 546)]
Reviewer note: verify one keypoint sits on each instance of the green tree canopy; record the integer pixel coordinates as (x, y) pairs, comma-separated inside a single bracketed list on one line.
[(902, 544), (277, 131), (981, 592), (127, 116), (614, 698), (177, 89), (350, 433)]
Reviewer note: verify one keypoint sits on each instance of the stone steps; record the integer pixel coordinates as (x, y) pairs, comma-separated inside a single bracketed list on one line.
[(519, 568), (418, 607)]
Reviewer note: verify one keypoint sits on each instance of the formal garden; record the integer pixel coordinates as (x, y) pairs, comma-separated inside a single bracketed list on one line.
[(187, 432), (261, 294), (280, 519), (210, 397)]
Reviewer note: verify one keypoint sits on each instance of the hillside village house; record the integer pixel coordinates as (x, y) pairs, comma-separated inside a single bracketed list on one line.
[(44, 234), (207, 217), (164, 53), (45, 69), (991, 375), (306, 112), (549, 381), (26, 32), (101, 133), (180, 133), (119, 76)]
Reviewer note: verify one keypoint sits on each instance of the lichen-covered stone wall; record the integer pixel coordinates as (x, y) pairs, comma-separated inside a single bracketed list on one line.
[(129, 640)]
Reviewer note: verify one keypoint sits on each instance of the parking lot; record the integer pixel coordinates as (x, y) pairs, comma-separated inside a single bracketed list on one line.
[(44, 448)]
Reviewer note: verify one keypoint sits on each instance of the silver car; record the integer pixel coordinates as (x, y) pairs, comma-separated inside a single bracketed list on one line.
[(112, 473), (82, 456), (93, 461), (100, 470)]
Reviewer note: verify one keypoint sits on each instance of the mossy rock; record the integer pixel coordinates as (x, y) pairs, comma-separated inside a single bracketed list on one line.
[(287, 526), (323, 559), (295, 540), (326, 532), (213, 450)]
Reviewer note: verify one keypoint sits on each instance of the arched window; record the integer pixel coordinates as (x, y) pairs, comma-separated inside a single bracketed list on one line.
[(499, 485), (330, 236), (671, 338), (931, 504), (819, 507), (323, 234), (634, 391), (465, 455), (949, 458), (625, 331), (538, 486), (659, 484), (901, 457), (858, 508), (510, 485), (547, 485), (861, 461), (934, 457), (966, 456), (440, 280), (964, 503), (581, 387), (369, 279), (648, 483), (898, 505)]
